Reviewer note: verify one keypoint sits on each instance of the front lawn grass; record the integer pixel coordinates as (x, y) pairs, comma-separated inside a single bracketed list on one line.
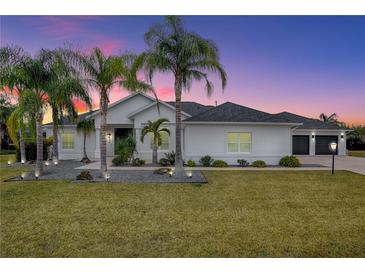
[(237, 214), (357, 153)]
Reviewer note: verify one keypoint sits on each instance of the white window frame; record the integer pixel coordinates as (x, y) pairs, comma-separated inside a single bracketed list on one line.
[(160, 148), (73, 137), (238, 143)]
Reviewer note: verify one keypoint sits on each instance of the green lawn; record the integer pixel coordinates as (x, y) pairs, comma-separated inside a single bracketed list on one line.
[(237, 214), (357, 153)]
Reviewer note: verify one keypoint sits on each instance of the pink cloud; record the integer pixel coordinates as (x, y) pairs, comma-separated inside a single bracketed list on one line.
[(165, 93)]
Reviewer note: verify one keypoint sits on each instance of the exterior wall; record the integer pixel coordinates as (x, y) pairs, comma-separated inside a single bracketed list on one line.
[(342, 150), (77, 152), (269, 143)]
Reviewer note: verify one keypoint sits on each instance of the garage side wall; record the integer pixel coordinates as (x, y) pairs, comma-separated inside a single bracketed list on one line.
[(269, 143)]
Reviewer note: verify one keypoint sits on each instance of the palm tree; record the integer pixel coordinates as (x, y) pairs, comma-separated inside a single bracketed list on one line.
[(12, 76), (85, 127), (188, 57), (155, 129), (102, 73), (328, 119), (63, 88)]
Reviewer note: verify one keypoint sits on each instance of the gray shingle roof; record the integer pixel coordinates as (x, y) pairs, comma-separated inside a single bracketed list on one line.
[(230, 112), (308, 123), (192, 108)]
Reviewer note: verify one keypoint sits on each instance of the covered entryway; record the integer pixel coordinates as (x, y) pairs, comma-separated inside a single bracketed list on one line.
[(121, 133), (301, 144), (322, 144)]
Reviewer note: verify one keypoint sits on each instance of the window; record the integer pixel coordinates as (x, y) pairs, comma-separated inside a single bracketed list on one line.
[(239, 142), (67, 141), (165, 141)]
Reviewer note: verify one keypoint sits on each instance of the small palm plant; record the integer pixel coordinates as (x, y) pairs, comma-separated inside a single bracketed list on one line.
[(155, 129), (85, 127), (328, 119)]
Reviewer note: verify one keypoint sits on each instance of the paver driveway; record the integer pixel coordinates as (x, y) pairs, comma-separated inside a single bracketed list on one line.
[(354, 164)]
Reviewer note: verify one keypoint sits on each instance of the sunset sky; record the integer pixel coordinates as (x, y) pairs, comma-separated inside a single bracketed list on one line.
[(301, 64)]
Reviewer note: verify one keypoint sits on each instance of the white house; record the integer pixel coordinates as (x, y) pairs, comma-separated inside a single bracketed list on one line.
[(227, 132)]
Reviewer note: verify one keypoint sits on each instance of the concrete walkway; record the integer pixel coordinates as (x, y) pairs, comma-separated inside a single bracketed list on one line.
[(354, 164)]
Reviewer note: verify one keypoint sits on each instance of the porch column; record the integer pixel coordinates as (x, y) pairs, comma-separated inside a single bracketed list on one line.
[(97, 143), (312, 144)]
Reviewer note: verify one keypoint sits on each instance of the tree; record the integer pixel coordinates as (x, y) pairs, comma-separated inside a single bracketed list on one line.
[(62, 89), (12, 77), (102, 73), (6, 108), (154, 128), (85, 127), (188, 56), (328, 119)]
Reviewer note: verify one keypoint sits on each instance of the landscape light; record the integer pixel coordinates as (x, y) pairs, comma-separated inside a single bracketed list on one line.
[(55, 163), (36, 175), (333, 147), (22, 175), (189, 174), (22, 161), (107, 176), (171, 173), (46, 163)]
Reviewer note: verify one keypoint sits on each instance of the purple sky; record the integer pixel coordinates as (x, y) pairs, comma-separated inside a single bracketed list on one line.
[(302, 64)]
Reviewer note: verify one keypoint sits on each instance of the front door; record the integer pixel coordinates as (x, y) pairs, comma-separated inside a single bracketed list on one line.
[(121, 133)]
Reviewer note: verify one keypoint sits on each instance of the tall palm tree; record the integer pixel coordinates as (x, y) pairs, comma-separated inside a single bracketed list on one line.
[(328, 119), (85, 127), (64, 87), (155, 129), (12, 77), (102, 73), (188, 57)]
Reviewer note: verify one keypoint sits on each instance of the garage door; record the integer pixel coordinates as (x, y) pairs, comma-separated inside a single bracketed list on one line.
[(300, 144), (322, 144)]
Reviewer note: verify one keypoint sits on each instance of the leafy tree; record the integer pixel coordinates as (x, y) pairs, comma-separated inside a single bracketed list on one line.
[(85, 127), (62, 89), (155, 129), (188, 56), (6, 108), (102, 73)]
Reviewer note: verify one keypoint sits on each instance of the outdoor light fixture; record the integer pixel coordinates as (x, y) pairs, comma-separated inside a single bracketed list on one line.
[(46, 163), (171, 173), (109, 136), (23, 162), (312, 135), (189, 174), (36, 175), (22, 176), (55, 163), (9, 163), (333, 147), (341, 135), (107, 176)]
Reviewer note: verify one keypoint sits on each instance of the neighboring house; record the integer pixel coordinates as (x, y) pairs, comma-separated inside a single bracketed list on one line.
[(227, 132)]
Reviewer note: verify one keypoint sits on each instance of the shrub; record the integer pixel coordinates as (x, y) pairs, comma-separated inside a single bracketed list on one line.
[(289, 161), (243, 162), (31, 150), (138, 162), (125, 149), (162, 170), (259, 163), (117, 161), (219, 163), (206, 160), (191, 163), (7, 151), (164, 162), (170, 156), (84, 175)]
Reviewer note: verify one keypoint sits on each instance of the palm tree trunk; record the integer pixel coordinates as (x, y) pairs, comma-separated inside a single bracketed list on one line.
[(55, 136), (179, 167), (22, 147), (154, 155), (85, 156), (103, 128), (2, 132), (39, 161)]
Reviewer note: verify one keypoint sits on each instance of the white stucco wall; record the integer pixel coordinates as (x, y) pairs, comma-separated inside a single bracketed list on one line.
[(269, 143)]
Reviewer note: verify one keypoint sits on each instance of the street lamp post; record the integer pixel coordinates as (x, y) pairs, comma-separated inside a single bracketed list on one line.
[(333, 147)]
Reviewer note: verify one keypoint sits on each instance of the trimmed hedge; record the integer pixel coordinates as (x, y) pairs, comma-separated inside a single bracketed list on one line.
[(289, 161), (191, 163), (138, 162), (259, 163), (243, 162), (219, 163), (164, 162), (206, 160)]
